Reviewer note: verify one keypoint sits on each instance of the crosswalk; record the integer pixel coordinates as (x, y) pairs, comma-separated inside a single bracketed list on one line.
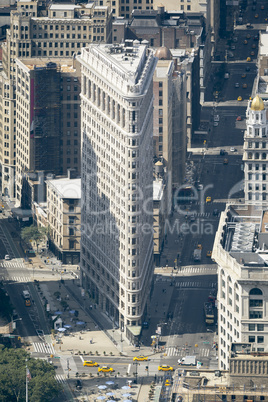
[(15, 263), (60, 378), (14, 278), (173, 351), (196, 284), (41, 347), (198, 270)]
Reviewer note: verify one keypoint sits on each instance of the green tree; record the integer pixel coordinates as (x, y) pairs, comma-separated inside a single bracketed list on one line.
[(42, 386), (35, 233)]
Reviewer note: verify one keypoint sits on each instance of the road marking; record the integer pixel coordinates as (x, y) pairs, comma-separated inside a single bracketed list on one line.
[(60, 378), (47, 348)]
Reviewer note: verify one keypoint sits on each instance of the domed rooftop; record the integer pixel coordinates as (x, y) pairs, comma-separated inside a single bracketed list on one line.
[(257, 104), (163, 53)]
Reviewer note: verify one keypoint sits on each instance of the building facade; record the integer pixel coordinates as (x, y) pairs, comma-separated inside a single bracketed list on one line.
[(47, 120), (170, 116), (59, 31), (255, 155), (64, 218), (117, 179), (240, 250)]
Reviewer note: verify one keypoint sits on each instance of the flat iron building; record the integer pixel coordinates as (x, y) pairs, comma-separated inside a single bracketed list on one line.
[(117, 179)]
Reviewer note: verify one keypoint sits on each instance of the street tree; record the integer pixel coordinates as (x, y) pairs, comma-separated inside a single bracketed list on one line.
[(42, 386), (34, 233)]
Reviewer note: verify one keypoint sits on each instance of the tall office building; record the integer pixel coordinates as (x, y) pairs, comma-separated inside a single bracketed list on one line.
[(255, 154), (117, 179), (59, 31), (240, 250), (47, 120)]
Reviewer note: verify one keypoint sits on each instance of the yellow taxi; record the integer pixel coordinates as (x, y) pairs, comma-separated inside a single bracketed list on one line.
[(105, 369), (208, 200), (209, 253), (90, 363), (239, 98), (164, 367), (140, 358), (248, 58)]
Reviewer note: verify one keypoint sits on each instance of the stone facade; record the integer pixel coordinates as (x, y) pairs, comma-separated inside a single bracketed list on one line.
[(117, 177)]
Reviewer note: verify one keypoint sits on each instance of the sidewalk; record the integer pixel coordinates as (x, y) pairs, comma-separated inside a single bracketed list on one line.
[(90, 332)]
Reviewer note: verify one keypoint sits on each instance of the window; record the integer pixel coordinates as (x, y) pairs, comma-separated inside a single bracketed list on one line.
[(251, 327), (255, 303), (255, 291), (71, 244), (251, 339), (255, 315), (260, 339)]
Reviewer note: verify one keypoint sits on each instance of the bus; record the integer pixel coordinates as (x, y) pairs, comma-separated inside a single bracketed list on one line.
[(27, 298), (209, 313)]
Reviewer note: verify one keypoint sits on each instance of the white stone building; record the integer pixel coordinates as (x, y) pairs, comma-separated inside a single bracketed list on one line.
[(117, 179), (255, 154), (241, 252)]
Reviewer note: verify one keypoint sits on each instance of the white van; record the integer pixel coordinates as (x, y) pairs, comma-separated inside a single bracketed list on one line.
[(26, 294)]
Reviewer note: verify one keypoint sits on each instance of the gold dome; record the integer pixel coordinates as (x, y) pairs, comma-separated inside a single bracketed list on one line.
[(257, 104), (163, 53)]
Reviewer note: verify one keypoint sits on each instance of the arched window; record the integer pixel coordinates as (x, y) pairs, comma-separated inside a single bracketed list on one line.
[(257, 155), (263, 155), (255, 304), (255, 291)]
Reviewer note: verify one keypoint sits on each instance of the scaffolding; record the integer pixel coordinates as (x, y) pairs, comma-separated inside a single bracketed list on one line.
[(46, 117)]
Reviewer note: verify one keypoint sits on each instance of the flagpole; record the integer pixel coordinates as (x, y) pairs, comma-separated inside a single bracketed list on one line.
[(26, 382)]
